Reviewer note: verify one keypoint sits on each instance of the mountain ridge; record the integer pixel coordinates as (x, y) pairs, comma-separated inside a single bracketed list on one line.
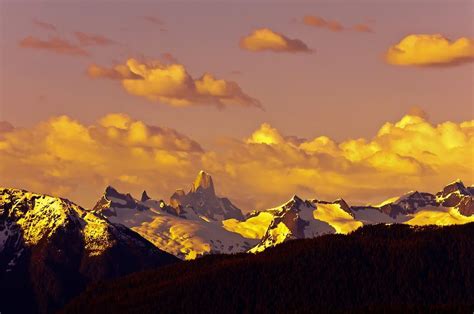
[(52, 248), (295, 219)]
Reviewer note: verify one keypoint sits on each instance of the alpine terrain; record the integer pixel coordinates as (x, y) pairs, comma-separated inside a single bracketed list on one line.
[(51, 249)]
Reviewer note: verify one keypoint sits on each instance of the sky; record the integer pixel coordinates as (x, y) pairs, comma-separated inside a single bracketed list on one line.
[(143, 95)]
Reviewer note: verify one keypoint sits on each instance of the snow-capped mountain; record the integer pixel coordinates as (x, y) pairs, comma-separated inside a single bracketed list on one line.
[(458, 196), (299, 219), (179, 228), (50, 248), (396, 209), (292, 220), (452, 205), (202, 198), (184, 231)]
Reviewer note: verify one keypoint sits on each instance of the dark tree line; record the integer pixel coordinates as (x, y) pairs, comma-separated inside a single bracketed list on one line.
[(378, 269)]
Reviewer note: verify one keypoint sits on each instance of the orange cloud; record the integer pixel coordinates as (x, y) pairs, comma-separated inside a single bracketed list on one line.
[(264, 39), (430, 50), (53, 44), (315, 21), (333, 25), (171, 84), (44, 25), (86, 39), (363, 28)]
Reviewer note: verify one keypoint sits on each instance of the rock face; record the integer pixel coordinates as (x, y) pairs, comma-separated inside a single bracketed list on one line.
[(202, 198), (114, 199), (458, 196), (50, 249), (408, 204)]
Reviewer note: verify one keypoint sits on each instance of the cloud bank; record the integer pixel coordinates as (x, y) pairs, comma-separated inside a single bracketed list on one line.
[(64, 157)]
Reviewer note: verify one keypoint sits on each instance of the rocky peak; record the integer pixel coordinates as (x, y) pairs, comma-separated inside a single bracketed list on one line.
[(203, 182), (413, 200), (456, 186), (457, 195), (203, 200), (145, 197), (110, 191), (112, 199), (293, 204)]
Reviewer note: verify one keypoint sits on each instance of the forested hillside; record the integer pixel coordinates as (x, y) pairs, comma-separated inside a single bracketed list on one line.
[(394, 268)]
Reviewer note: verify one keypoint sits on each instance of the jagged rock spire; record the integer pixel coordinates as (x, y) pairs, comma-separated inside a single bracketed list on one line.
[(203, 200), (204, 182), (145, 197)]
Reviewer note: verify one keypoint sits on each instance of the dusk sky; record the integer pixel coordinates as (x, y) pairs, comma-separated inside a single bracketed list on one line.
[(242, 90)]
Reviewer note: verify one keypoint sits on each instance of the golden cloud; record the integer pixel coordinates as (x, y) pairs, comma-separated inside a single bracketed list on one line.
[(171, 84), (430, 50), (53, 44), (409, 154), (65, 157), (264, 39)]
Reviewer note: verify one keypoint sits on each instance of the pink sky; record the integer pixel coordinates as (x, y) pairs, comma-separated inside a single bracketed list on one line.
[(343, 90)]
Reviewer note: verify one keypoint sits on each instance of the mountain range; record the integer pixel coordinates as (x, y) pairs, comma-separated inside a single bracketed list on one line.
[(52, 249), (196, 223)]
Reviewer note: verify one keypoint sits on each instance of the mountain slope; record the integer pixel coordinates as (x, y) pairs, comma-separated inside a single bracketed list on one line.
[(51, 249), (181, 231), (377, 269)]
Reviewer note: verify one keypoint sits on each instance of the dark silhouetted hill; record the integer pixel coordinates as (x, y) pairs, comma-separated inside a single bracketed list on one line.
[(378, 268)]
